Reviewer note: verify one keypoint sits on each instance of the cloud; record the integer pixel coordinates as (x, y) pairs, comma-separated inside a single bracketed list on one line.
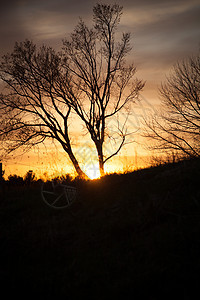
[(54, 18), (170, 38), (162, 31)]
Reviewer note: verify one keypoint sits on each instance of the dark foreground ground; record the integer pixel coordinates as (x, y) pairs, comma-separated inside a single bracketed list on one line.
[(126, 237)]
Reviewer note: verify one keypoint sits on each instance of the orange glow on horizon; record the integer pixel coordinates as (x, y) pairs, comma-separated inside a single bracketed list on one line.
[(48, 163), (47, 170)]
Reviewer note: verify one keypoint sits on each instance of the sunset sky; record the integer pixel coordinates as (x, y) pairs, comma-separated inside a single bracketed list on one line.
[(162, 32)]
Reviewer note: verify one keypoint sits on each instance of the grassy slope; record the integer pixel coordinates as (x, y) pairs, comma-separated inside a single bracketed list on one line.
[(132, 234)]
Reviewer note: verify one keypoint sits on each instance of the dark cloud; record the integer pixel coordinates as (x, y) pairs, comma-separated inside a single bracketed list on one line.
[(163, 31), (176, 34), (163, 37)]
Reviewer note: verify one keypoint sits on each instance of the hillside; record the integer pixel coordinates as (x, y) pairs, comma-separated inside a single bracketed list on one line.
[(134, 234)]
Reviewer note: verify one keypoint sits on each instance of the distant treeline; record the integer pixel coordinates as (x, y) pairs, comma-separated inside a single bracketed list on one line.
[(31, 178), (27, 179)]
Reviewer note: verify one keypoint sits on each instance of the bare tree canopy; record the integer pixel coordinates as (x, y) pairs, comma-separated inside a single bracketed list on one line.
[(89, 77), (177, 126), (30, 110)]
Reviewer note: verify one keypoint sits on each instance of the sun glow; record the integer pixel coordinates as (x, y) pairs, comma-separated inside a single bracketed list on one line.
[(92, 171), (48, 163)]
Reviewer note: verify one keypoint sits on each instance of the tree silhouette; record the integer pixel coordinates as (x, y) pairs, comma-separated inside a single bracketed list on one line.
[(15, 180), (89, 77), (29, 177), (30, 110), (98, 79), (177, 126)]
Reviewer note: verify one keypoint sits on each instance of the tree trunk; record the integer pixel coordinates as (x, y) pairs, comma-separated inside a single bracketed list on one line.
[(100, 157), (79, 172), (75, 163), (101, 167)]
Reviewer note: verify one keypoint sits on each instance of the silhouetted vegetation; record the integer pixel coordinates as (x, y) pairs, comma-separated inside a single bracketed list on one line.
[(89, 79), (134, 235), (29, 178), (176, 127), (15, 180)]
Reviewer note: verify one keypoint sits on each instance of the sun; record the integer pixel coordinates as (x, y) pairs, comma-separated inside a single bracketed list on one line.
[(92, 171)]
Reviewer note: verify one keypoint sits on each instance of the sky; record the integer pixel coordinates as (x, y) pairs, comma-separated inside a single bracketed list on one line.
[(162, 32)]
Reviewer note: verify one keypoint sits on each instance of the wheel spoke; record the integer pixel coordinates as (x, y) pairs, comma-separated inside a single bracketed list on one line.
[(58, 198), (47, 192)]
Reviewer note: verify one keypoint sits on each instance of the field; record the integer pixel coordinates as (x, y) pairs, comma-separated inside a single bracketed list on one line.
[(128, 235)]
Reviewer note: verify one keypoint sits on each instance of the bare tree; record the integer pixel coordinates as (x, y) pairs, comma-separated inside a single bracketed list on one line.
[(30, 110), (177, 126), (98, 83), (89, 77)]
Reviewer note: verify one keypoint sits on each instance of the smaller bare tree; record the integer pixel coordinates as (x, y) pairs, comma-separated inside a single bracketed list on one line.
[(177, 126)]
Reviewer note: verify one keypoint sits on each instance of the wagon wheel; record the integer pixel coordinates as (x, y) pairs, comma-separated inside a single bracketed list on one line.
[(58, 195)]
